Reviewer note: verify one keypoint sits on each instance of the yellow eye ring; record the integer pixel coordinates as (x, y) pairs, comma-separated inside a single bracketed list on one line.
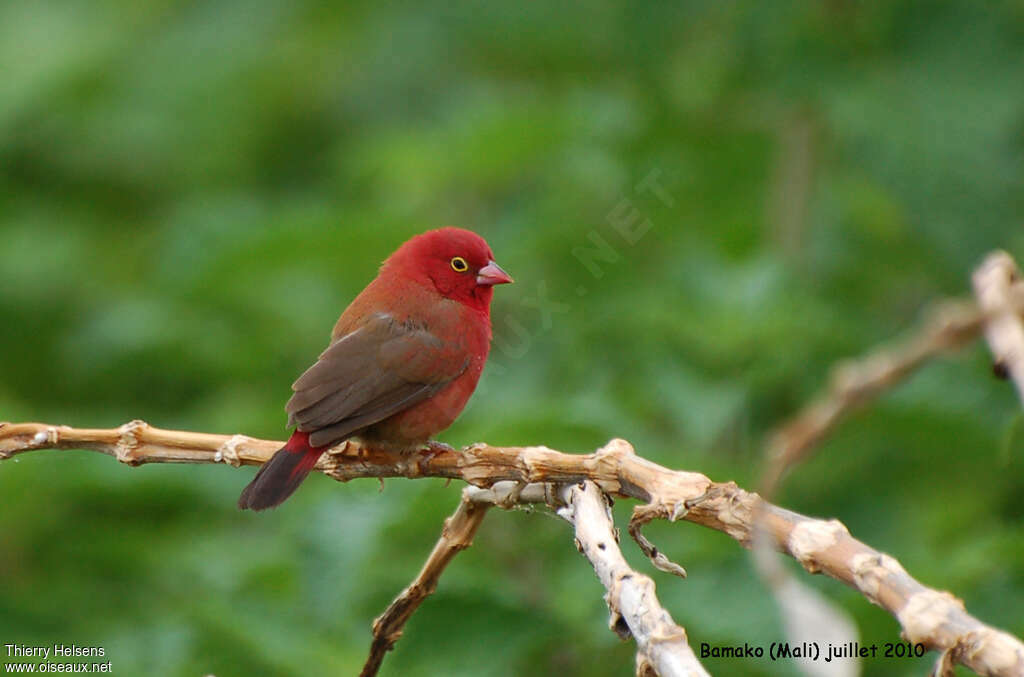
[(459, 264)]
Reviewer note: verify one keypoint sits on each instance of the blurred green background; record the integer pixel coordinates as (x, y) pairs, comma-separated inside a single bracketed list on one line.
[(190, 193)]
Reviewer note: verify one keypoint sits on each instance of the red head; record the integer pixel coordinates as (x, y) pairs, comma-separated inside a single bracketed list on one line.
[(456, 262)]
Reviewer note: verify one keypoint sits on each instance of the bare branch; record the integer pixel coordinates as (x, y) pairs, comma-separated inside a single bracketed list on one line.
[(936, 619), (615, 467), (853, 384), (857, 382), (1000, 292), (933, 618), (456, 536), (502, 493), (661, 644)]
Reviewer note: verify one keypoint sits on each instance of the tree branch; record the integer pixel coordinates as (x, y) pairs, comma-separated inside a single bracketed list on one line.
[(662, 647), (615, 468), (854, 383), (999, 289), (935, 619), (456, 536)]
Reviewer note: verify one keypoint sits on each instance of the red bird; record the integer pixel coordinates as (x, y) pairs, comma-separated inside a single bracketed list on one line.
[(404, 358)]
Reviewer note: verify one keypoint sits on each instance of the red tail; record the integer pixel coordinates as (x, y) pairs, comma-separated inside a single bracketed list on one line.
[(281, 475)]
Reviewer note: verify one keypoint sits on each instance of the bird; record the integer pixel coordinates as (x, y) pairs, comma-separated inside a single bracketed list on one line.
[(403, 360)]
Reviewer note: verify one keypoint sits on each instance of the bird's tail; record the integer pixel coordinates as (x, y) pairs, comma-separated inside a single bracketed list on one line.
[(282, 474)]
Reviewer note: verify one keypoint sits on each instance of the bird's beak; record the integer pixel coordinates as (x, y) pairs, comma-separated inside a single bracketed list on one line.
[(492, 274)]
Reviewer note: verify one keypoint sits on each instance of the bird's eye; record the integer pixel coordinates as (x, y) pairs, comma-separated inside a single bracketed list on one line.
[(459, 264)]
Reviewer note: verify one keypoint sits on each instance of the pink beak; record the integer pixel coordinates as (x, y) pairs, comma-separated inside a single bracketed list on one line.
[(492, 274)]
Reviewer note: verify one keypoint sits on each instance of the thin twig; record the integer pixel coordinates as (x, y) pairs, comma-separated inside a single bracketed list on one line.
[(951, 325), (642, 515), (456, 536), (933, 618), (662, 646), (855, 383)]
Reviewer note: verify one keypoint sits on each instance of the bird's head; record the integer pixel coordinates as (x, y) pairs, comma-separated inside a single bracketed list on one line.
[(456, 262)]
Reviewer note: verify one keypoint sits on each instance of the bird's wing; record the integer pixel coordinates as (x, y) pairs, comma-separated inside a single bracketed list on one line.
[(371, 373)]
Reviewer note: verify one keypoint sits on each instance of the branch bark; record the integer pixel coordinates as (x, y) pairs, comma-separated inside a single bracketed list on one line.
[(456, 536), (936, 619), (662, 646)]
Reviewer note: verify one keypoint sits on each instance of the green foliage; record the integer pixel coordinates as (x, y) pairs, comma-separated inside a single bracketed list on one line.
[(191, 192)]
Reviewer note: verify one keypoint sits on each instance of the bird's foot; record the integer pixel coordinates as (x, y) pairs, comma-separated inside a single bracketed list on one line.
[(429, 451), (434, 448)]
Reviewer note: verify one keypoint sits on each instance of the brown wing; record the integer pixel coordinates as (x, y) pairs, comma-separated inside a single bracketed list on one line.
[(378, 370)]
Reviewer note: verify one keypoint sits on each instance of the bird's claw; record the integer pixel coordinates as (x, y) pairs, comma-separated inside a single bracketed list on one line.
[(432, 449)]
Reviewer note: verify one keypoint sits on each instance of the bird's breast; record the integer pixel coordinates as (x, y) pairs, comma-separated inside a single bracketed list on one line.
[(423, 421)]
